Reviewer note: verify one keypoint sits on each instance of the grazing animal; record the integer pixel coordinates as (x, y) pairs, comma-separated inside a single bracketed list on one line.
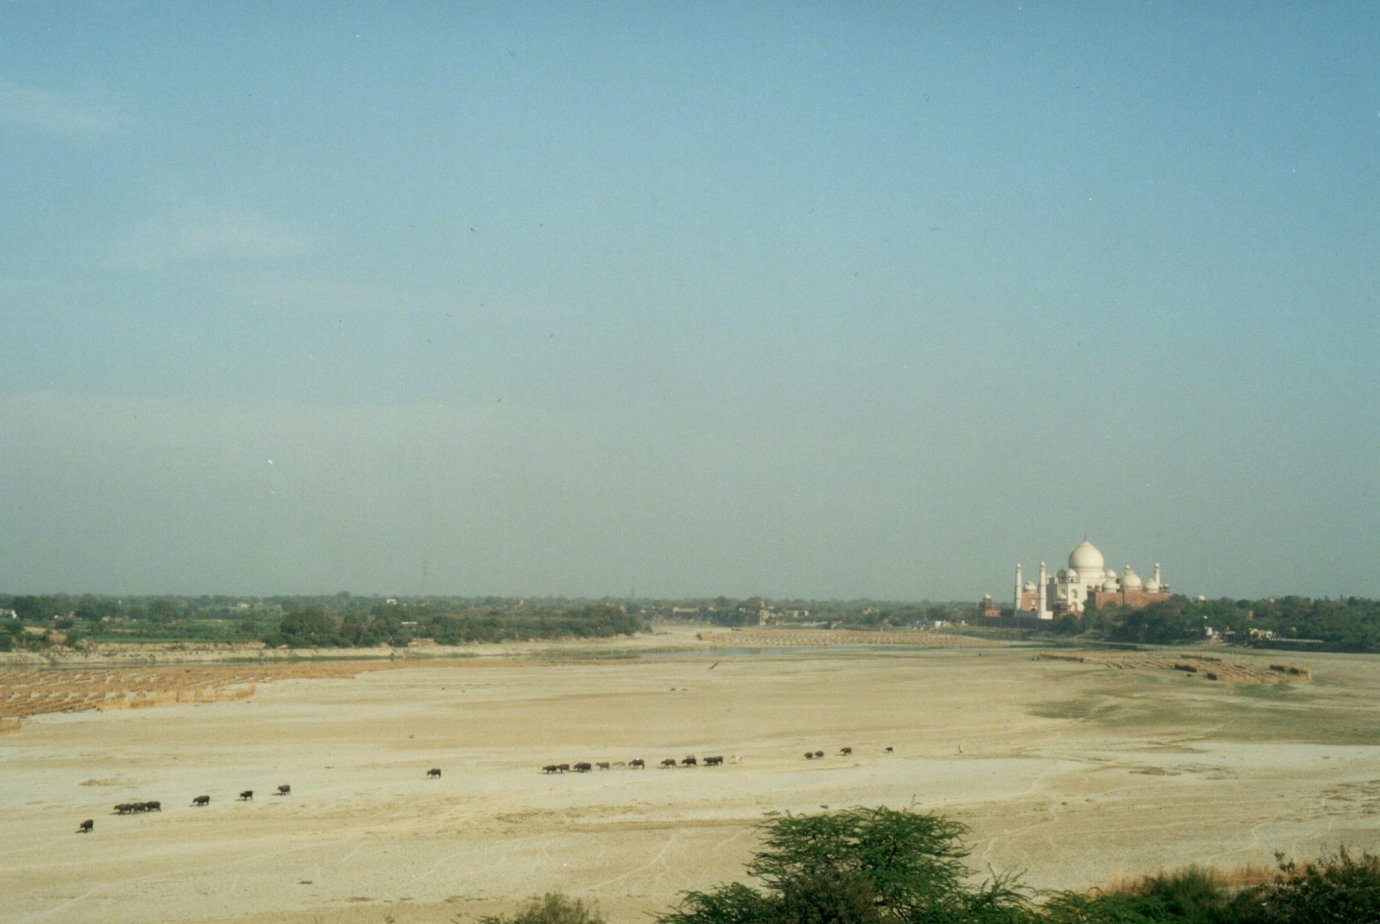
[(154, 806), (809, 755), (551, 768), (637, 763), (563, 768), (124, 808), (284, 789), (583, 767), (434, 773), (602, 764), (845, 751), (713, 761), (669, 762), (247, 796), (86, 826), (889, 749), (689, 761), (201, 800), (818, 754)]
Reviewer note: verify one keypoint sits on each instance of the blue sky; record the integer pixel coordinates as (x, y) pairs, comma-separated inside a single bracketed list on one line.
[(800, 300)]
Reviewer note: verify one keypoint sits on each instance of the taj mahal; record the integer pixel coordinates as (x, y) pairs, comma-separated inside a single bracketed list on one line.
[(1086, 581)]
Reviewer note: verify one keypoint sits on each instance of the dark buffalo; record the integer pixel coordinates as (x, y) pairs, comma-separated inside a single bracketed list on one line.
[(845, 751), (809, 755), (689, 761), (713, 761), (602, 764), (124, 808), (551, 768), (637, 763), (434, 773), (201, 800), (669, 762), (86, 826), (247, 796), (564, 768), (154, 806), (583, 767), (284, 789), (818, 754)]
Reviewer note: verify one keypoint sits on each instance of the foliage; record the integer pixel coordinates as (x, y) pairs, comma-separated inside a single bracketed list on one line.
[(1190, 895), (1336, 889), (882, 866), (857, 866), (551, 908), (1339, 887), (1344, 624)]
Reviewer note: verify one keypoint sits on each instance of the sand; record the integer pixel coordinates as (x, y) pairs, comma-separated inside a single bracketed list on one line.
[(1074, 772)]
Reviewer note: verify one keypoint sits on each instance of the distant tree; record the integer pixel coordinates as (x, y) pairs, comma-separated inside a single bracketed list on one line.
[(308, 628), (95, 609), (34, 609), (162, 612)]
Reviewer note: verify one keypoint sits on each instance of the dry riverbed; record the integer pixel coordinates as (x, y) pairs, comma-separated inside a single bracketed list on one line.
[(1074, 771)]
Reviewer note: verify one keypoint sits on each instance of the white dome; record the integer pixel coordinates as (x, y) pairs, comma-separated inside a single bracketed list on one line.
[(1152, 586), (1109, 583), (1130, 580), (1086, 559)]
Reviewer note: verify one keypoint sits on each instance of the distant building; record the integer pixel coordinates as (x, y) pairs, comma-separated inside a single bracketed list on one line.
[(1085, 581)]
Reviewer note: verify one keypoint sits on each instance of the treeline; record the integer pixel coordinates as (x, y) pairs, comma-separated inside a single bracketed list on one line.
[(884, 866), (389, 624), (337, 620), (1344, 624), (859, 614)]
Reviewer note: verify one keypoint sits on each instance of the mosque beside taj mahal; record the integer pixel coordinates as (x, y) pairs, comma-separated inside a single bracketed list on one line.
[(1087, 581)]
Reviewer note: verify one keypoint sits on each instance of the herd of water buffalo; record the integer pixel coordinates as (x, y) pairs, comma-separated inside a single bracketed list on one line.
[(136, 808), (636, 764), (690, 760), (666, 764)]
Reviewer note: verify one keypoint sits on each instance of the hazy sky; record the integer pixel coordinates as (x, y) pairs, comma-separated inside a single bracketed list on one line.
[(856, 299)]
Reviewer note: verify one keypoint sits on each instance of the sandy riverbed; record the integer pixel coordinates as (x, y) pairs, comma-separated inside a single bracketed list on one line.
[(1073, 772)]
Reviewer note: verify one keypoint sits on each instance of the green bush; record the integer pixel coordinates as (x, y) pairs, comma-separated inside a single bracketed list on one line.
[(551, 908), (858, 866), (1336, 888)]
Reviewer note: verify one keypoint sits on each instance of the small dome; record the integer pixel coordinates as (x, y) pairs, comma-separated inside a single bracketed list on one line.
[(1152, 586), (1086, 559), (1130, 580), (1109, 583)]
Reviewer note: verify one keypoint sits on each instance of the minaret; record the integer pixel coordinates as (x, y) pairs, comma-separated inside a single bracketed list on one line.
[(1044, 612), (1016, 604)]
